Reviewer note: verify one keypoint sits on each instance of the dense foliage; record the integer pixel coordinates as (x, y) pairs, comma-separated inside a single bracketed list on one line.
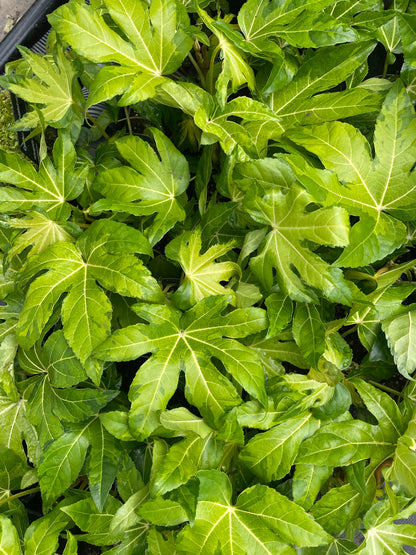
[(207, 324)]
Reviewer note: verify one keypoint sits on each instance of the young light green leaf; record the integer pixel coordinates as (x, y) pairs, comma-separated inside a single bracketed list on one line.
[(202, 275), (47, 189), (151, 185), (235, 70), (271, 454), (370, 188), (71, 547), (117, 423), (56, 90), (41, 231), (283, 247)]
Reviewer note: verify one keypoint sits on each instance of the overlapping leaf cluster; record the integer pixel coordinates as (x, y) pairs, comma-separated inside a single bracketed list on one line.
[(207, 326)]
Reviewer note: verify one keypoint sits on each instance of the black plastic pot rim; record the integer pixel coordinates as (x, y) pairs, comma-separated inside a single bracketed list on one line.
[(27, 31)]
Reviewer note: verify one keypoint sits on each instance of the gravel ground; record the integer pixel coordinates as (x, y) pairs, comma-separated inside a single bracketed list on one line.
[(10, 11)]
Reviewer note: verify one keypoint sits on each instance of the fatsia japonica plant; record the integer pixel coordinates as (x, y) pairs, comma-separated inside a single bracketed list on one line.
[(207, 317)]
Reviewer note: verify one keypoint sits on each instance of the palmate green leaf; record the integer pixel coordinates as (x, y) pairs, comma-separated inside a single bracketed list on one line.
[(400, 332), (151, 185), (283, 247), (202, 275), (100, 254), (56, 91), (270, 455), (47, 189), (292, 20), (403, 470), (235, 70), (389, 36), (9, 539), (188, 341), (156, 38), (384, 534), (374, 189), (262, 520), (41, 232)]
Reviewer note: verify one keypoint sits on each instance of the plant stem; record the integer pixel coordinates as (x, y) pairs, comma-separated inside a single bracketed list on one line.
[(388, 389), (386, 65), (98, 126), (210, 74), (20, 494), (198, 70), (126, 111), (350, 331)]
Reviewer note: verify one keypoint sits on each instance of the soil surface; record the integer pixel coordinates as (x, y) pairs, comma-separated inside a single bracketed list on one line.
[(10, 11)]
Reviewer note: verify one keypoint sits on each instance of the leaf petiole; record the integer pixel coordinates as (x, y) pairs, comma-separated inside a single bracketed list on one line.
[(19, 494)]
